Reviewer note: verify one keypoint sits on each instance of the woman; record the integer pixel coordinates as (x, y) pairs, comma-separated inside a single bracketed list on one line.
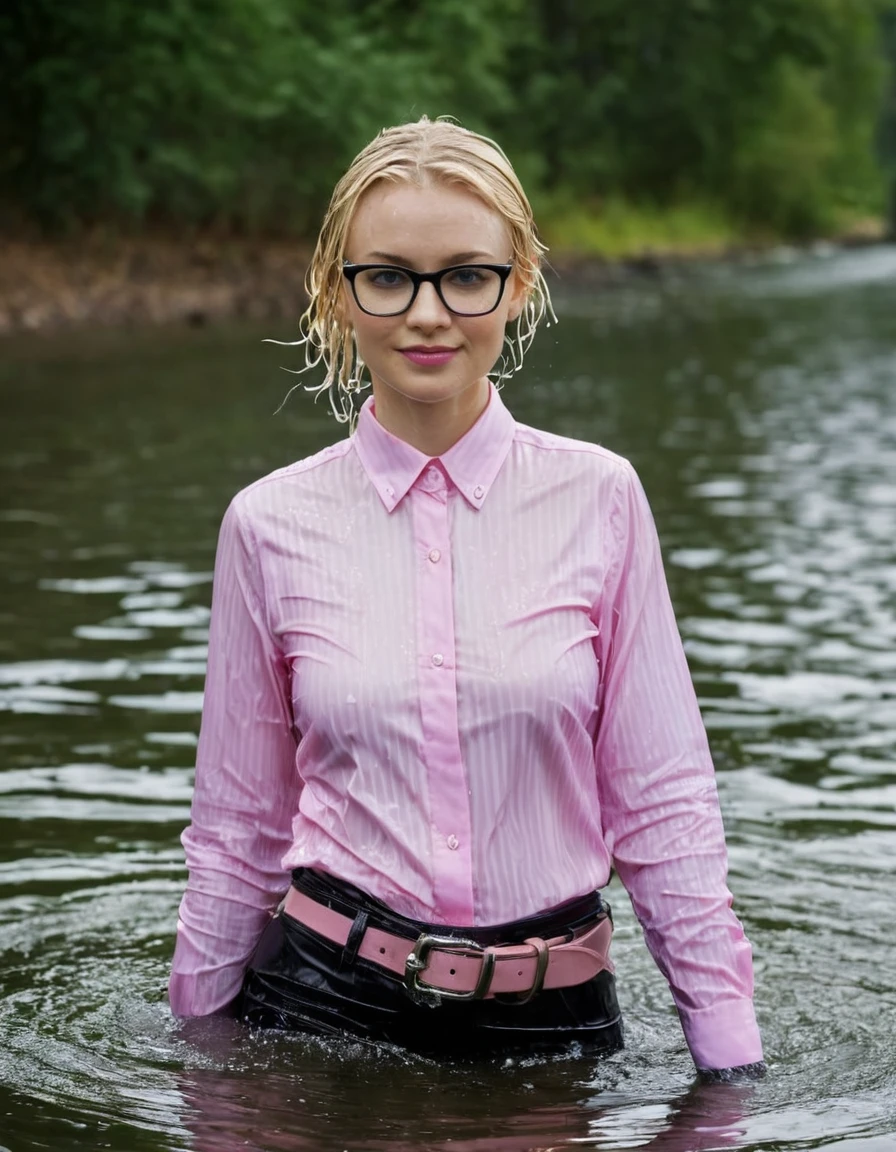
[(445, 686)]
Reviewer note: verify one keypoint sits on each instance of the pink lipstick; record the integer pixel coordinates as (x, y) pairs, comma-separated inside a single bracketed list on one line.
[(428, 357)]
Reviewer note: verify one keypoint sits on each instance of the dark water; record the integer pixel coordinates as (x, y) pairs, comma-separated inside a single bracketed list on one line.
[(759, 405)]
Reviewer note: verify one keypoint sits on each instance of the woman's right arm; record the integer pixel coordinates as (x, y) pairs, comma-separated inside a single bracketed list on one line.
[(246, 789)]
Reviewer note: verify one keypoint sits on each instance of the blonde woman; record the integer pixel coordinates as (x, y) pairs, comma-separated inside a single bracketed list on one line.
[(445, 689)]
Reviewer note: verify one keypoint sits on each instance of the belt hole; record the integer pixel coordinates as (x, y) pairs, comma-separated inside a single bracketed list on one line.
[(382, 951), (452, 971)]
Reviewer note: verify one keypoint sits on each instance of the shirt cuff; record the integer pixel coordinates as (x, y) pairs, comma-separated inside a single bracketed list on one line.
[(723, 1036), (197, 988)]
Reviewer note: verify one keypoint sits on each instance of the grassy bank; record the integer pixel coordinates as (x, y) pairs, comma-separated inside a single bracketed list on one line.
[(618, 230)]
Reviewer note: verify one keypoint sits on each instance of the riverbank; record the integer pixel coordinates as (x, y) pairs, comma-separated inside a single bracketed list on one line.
[(106, 280)]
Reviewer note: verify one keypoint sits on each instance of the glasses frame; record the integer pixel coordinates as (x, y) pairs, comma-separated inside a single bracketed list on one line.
[(350, 271)]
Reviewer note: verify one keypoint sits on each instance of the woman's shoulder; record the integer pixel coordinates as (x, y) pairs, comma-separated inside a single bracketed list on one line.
[(578, 455), (292, 486)]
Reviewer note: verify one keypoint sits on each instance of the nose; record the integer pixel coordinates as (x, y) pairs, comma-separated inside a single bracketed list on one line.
[(428, 312)]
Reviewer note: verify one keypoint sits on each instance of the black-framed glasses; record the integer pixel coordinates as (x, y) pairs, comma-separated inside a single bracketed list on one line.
[(464, 289)]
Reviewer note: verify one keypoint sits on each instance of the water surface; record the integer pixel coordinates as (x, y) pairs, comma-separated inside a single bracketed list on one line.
[(759, 405)]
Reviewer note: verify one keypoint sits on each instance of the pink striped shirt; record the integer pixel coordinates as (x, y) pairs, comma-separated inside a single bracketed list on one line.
[(457, 683)]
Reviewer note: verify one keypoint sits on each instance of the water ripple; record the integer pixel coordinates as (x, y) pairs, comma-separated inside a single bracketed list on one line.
[(758, 406)]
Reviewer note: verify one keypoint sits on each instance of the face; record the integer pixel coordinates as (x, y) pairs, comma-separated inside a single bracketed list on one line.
[(429, 356)]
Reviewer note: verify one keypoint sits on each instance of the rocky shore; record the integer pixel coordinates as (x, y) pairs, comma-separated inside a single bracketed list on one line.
[(110, 281), (104, 280)]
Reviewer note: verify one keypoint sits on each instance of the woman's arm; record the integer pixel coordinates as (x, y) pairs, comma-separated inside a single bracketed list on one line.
[(246, 789), (660, 807)]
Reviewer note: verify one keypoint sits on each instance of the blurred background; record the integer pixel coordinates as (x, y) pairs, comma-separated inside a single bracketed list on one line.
[(691, 127), (716, 181)]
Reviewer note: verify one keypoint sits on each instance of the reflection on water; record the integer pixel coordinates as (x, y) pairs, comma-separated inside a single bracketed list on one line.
[(758, 405), (541, 1107)]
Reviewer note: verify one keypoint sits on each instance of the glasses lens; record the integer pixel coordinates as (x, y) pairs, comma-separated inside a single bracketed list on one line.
[(468, 291), (383, 291), (472, 290)]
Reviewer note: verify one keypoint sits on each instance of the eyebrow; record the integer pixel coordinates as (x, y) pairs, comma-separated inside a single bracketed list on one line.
[(457, 258)]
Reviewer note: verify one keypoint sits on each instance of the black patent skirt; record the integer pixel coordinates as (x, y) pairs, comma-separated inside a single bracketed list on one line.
[(300, 981)]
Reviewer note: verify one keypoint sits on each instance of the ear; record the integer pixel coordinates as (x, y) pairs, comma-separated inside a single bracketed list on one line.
[(518, 296)]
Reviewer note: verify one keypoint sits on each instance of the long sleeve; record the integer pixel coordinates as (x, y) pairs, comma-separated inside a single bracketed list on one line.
[(660, 810), (246, 789)]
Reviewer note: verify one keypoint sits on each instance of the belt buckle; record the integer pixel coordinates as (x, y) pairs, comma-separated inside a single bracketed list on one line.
[(417, 962)]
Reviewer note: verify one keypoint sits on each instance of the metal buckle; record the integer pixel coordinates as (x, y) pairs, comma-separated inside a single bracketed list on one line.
[(417, 962)]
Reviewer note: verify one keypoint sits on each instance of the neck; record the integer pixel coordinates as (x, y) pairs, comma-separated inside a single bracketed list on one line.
[(430, 428)]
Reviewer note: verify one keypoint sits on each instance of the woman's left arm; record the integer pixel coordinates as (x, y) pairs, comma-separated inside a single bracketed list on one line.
[(659, 803)]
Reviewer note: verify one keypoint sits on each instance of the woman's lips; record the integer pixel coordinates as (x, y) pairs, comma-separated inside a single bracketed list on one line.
[(429, 357)]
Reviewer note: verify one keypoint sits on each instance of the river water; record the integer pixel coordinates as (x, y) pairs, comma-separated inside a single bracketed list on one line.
[(759, 405)]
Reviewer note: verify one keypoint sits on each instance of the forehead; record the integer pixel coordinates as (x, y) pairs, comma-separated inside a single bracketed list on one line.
[(426, 226)]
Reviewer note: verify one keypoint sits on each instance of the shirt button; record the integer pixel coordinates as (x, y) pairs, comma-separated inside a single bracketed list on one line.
[(453, 842), (390, 491), (478, 491), (435, 555), (438, 659)]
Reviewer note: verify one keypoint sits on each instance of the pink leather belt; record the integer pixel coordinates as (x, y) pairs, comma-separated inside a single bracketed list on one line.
[(459, 969)]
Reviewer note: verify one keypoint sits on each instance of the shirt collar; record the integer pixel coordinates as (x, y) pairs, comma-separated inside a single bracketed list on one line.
[(472, 464)]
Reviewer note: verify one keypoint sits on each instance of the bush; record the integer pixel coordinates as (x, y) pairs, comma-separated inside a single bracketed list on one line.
[(240, 114)]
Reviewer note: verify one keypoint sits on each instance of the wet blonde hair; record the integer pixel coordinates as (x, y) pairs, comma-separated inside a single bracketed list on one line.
[(427, 151)]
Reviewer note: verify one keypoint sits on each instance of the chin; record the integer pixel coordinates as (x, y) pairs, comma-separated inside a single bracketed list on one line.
[(432, 390)]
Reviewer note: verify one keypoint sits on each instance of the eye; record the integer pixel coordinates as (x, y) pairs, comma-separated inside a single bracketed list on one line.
[(469, 277), (386, 278)]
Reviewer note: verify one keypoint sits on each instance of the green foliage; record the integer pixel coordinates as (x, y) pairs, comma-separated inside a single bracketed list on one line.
[(782, 160), (617, 228), (887, 135), (768, 108), (242, 113)]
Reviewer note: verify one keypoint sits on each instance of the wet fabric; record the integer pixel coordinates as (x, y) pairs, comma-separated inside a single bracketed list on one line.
[(458, 684), (298, 980)]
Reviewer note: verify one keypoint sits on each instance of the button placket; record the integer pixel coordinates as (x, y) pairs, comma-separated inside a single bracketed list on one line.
[(449, 800)]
